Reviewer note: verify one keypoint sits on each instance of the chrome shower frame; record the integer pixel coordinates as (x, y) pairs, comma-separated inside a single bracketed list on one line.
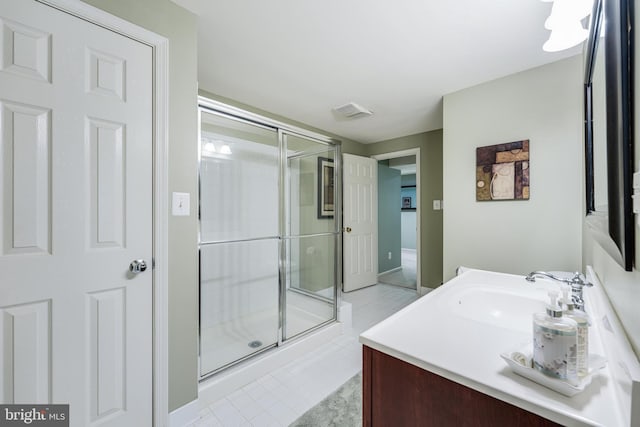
[(210, 106)]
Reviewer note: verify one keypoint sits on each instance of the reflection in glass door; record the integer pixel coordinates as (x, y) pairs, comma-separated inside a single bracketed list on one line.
[(269, 239)]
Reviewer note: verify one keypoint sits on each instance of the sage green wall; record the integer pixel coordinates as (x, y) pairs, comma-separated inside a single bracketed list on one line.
[(543, 105), (179, 27), (430, 144), (388, 218)]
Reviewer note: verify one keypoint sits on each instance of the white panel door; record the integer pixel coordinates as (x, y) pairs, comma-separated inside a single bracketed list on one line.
[(360, 222), (76, 209)]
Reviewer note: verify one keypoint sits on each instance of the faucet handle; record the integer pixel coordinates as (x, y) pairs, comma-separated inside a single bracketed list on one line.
[(579, 280)]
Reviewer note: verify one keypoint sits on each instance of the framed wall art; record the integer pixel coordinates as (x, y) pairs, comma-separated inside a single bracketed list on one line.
[(502, 171)]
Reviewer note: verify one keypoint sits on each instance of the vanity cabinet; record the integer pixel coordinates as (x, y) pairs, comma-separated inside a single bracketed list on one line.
[(397, 393)]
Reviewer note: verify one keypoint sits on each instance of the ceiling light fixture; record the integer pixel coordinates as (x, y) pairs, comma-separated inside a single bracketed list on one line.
[(225, 149), (565, 23), (352, 110)]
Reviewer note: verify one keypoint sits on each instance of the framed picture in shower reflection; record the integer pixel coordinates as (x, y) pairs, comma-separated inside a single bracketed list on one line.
[(325, 187)]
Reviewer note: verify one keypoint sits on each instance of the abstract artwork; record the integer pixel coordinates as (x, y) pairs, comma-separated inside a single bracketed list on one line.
[(502, 171)]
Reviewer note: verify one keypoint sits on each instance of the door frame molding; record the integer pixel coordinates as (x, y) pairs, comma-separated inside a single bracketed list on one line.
[(404, 153), (160, 103)]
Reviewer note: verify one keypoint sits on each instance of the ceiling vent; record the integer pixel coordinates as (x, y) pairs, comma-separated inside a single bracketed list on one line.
[(352, 110)]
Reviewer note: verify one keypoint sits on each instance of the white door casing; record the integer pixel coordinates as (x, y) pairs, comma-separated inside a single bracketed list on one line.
[(360, 222), (76, 193)]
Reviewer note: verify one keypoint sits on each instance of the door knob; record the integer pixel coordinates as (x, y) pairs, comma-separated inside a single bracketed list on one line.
[(348, 229), (137, 266)]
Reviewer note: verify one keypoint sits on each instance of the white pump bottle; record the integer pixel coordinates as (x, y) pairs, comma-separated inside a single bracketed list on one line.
[(555, 343)]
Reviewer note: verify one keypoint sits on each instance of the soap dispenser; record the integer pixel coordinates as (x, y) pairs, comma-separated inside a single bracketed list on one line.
[(582, 320), (555, 342)]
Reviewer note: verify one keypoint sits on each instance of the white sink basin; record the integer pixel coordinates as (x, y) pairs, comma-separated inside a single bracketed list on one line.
[(459, 330), (501, 308)]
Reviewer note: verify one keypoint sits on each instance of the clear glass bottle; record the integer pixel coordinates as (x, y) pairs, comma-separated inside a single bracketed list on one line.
[(555, 343), (582, 320)]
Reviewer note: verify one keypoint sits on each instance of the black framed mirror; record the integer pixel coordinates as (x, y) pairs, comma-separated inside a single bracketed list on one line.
[(608, 108)]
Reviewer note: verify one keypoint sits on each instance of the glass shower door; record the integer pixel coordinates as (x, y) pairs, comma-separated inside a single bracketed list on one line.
[(311, 234), (239, 240)]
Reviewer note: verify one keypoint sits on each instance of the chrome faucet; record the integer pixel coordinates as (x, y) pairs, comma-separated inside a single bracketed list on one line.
[(577, 283)]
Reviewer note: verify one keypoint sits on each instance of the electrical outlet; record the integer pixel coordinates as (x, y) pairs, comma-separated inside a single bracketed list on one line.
[(389, 255)]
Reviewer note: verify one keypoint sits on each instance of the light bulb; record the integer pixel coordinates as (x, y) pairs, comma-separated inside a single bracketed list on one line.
[(209, 147)]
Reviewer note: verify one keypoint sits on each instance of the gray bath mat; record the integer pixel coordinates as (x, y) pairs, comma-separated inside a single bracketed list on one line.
[(341, 408)]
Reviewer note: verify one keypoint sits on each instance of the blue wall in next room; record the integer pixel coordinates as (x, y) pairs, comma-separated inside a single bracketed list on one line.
[(388, 218), (408, 218)]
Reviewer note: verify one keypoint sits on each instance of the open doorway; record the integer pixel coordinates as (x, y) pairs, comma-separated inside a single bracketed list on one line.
[(399, 218)]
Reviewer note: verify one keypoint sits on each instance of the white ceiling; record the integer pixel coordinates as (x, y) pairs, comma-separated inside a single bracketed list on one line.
[(301, 58)]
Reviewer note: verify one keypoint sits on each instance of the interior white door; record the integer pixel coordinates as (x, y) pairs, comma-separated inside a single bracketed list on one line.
[(360, 222), (76, 195)]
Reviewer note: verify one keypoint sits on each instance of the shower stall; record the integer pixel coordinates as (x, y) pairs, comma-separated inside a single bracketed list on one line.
[(269, 241)]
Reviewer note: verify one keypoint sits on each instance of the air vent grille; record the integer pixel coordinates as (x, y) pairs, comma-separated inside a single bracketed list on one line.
[(352, 110)]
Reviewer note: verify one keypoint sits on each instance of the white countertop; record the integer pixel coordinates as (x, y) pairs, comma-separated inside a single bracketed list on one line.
[(441, 333)]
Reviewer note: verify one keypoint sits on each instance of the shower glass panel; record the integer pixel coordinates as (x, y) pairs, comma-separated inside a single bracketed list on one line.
[(269, 240), (311, 235), (310, 296), (239, 240), (239, 173), (239, 301)]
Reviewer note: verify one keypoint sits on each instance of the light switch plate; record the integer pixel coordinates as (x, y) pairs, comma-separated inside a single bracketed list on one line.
[(180, 204)]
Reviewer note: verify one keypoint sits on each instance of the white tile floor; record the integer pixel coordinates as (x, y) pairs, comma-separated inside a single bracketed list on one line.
[(281, 397)]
